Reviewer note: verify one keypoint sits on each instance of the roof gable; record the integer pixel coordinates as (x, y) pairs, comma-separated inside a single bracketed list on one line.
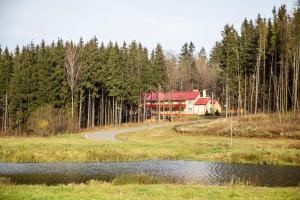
[(202, 101)]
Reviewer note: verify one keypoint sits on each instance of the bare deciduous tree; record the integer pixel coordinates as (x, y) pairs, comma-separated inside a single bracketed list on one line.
[(205, 74), (72, 69)]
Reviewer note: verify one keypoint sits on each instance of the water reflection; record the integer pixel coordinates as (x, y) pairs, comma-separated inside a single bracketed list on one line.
[(184, 171)]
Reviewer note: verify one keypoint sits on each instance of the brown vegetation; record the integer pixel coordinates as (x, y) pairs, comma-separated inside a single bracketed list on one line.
[(47, 120), (260, 125)]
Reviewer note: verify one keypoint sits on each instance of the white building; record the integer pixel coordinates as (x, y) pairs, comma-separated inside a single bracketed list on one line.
[(181, 103)]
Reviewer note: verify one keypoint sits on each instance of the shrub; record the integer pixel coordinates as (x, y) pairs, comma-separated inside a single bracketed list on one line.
[(207, 113), (47, 120), (217, 113)]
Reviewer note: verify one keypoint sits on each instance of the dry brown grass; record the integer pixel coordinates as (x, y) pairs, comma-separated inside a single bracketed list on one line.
[(260, 125)]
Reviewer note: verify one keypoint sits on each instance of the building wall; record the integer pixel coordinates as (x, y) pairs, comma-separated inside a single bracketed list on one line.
[(189, 109), (217, 106), (200, 109)]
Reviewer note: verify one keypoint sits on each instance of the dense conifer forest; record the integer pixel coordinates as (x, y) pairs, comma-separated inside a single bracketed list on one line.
[(88, 84)]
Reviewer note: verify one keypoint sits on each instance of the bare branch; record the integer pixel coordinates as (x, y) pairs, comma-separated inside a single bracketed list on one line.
[(72, 69)]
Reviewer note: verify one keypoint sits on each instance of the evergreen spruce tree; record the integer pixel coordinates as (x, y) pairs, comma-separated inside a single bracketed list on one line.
[(159, 66), (6, 65)]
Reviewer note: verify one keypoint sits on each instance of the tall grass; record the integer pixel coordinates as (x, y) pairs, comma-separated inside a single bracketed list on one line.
[(260, 125)]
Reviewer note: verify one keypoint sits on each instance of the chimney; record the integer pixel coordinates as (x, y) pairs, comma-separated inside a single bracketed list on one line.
[(204, 93)]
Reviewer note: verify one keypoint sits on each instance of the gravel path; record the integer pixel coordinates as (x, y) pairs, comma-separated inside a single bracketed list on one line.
[(110, 134)]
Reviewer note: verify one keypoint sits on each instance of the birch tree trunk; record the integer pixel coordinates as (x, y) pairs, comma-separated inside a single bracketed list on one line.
[(80, 110), (252, 93), (138, 108), (89, 110), (72, 69), (72, 97), (257, 77), (120, 113), (116, 112), (102, 108), (93, 112), (245, 92), (296, 79)]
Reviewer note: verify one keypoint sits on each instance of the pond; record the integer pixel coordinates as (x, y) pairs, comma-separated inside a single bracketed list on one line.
[(211, 173)]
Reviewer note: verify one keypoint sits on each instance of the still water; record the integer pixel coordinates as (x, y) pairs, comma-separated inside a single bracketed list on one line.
[(212, 173)]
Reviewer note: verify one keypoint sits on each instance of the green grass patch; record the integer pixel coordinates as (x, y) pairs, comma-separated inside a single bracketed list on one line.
[(104, 190)]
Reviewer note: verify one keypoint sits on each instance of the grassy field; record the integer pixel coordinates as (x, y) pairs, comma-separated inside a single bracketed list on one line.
[(156, 144), (100, 190)]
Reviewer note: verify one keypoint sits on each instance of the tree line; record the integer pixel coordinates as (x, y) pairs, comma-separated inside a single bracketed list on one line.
[(260, 64), (93, 84), (109, 81)]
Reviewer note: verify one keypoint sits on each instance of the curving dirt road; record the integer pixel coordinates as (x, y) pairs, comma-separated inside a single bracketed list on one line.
[(110, 134)]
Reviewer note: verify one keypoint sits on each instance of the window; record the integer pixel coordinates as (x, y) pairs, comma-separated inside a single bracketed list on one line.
[(190, 102), (190, 109)]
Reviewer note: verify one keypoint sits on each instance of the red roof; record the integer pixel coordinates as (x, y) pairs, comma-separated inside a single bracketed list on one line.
[(204, 101), (174, 106), (172, 96)]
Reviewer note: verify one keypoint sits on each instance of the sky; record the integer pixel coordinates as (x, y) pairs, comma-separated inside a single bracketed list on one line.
[(168, 22)]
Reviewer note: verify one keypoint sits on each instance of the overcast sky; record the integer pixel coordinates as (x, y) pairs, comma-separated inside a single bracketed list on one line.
[(169, 22)]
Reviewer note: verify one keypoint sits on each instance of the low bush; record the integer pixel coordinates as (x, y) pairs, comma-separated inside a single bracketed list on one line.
[(207, 113), (47, 120)]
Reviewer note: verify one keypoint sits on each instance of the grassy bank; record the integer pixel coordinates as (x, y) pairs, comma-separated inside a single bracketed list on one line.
[(156, 144), (103, 190), (259, 126)]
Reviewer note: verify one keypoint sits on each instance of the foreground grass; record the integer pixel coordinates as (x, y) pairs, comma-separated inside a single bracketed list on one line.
[(155, 144), (98, 190)]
